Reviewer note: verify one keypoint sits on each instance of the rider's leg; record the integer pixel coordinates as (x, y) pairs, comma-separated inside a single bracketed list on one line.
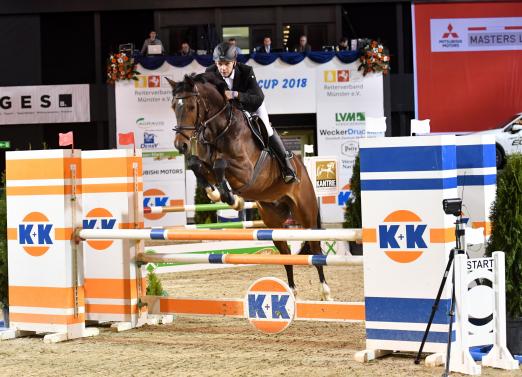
[(276, 144)]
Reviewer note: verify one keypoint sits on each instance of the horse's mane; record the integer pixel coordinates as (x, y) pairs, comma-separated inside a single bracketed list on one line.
[(188, 82)]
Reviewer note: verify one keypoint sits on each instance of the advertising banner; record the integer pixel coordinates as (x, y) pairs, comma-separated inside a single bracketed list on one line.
[(45, 104), (344, 99), (164, 185), (468, 64), (324, 174)]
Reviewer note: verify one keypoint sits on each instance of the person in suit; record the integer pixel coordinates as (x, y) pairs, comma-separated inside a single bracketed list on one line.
[(151, 40), (303, 45), (186, 50), (266, 48), (343, 44), (245, 92), (233, 43)]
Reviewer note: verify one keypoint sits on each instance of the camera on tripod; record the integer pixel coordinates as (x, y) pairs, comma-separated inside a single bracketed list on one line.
[(452, 206)]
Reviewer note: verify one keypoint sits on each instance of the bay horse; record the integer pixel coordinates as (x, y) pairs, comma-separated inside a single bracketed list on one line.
[(214, 136)]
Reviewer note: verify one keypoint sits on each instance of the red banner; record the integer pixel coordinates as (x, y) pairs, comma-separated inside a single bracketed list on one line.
[(468, 64)]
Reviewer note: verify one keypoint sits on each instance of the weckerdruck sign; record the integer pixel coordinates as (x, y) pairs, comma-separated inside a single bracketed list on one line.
[(345, 98), (45, 104), (476, 34)]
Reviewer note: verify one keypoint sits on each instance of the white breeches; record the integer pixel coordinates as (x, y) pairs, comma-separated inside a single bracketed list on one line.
[(263, 114)]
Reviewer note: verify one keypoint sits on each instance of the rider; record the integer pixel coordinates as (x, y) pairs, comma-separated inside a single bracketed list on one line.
[(245, 91)]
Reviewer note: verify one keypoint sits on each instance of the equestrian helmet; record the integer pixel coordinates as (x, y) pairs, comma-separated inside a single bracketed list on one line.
[(225, 52)]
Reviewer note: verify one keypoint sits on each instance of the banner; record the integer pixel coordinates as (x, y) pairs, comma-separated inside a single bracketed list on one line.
[(45, 104), (468, 64), (344, 99), (164, 185)]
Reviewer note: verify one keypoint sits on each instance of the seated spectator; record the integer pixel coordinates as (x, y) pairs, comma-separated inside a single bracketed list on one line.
[(303, 46), (186, 50), (266, 48), (232, 42), (151, 41), (343, 44)]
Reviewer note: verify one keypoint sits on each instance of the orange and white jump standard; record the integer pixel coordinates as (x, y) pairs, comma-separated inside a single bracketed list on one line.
[(46, 285)]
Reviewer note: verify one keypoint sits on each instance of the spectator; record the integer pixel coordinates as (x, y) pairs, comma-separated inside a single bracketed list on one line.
[(303, 46), (186, 50), (151, 41), (266, 48), (343, 44), (232, 42)]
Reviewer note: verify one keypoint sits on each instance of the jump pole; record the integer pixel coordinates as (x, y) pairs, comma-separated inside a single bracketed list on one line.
[(303, 260), (224, 225), (194, 207), (224, 234)]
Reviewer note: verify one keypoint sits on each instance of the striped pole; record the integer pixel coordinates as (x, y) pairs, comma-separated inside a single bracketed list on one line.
[(223, 234), (303, 260), (225, 225), (195, 207)]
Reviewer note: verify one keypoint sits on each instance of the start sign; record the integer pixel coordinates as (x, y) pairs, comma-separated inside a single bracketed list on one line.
[(270, 305)]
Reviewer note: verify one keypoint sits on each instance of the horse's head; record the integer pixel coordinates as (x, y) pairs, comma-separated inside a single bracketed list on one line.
[(193, 99)]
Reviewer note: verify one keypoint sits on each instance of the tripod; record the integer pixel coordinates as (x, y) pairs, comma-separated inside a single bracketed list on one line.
[(460, 245)]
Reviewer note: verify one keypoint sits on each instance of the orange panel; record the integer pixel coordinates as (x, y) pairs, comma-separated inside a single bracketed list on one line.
[(42, 190), (111, 309), (46, 318), (111, 187), (443, 235), (46, 168), (267, 259), (204, 307), (110, 288), (109, 167), (328, 199), (369, 235), (332, 311), (44, 297)]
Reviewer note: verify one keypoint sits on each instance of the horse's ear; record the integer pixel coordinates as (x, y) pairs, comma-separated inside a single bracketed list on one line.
[(171, 82)]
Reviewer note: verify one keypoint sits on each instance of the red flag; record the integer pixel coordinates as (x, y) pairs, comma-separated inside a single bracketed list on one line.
[(65, 139), (126, 139)]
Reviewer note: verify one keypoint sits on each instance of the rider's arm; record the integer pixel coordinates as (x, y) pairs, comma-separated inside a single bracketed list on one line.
[(253, 96)]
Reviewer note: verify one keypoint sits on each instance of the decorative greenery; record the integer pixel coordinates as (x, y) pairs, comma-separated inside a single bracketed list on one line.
[(154, 287), (374, 58), (3, 244), (352, 214), (506, 235), (203, 217), (121, 67)]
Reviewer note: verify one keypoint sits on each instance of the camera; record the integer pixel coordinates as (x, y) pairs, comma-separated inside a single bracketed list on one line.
[(452, 206)]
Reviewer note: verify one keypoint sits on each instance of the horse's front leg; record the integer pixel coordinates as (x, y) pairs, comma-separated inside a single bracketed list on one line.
[(201, 171), (227, 196)]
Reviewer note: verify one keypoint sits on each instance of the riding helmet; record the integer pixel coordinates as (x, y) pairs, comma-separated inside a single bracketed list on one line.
[(225, 52)]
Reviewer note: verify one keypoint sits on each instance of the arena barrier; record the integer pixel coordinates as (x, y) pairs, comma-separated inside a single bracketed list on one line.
[(195, 207), (406, 234)]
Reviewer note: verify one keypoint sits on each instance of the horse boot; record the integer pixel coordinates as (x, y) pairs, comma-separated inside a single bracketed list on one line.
[(283, 158)]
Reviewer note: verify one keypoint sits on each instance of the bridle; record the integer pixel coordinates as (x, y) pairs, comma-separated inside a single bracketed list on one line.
[(199, 126)]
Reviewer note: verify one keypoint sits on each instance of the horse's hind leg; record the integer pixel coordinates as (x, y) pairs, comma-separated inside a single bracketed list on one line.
[(314, 248), (274, 216)]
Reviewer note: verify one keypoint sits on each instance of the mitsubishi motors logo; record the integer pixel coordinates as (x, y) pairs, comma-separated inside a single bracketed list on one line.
[(450, 33)]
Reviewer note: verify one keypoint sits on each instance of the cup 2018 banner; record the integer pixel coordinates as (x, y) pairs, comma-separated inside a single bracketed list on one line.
[(336, 91), (468, 64)]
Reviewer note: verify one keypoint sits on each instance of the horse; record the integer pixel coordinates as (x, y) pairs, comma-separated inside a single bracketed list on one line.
[(214, 136)]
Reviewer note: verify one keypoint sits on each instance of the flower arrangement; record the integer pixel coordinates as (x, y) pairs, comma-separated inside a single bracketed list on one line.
[(374, 58), (121, 67)]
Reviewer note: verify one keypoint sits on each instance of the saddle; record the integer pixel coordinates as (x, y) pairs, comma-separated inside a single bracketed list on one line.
[(258, 129)]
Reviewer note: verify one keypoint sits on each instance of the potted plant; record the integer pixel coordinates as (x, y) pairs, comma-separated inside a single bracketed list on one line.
[(352, 212), (506, 236), (3, 252)]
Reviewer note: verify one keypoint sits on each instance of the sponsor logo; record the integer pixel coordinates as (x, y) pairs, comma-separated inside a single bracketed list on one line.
[(154, 81), (450, 33), (141, 122), (326, 174), (35, 234), (155, 198), (269, 305), (65, 100), (350, 117), (344, 195), (402, 236), (149, 140), (339, 75), (450, 38), (99, 218), (349, 148)]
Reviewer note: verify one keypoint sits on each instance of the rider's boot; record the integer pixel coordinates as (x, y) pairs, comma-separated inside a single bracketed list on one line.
[(283, 157)]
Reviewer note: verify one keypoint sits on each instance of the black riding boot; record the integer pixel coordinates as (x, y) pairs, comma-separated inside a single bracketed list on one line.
[(283, 157)]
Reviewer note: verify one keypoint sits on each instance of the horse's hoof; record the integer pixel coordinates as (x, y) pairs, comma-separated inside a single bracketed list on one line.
[(213, 194), (239, 203), (325, 293), (294, 291)]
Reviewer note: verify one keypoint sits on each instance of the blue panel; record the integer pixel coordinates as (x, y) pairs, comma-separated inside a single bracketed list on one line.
[(477, 180), (157, 234), (409, 336), (263, 235), (410, 310), (319, 260), (408, 184), (215, 258), (428, 158), (476, 156)]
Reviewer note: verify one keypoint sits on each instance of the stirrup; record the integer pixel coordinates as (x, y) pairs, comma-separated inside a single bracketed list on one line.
[(288, 172)]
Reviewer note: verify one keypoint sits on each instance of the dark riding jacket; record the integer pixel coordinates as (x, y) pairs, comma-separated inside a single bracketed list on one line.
[(245, 83)]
